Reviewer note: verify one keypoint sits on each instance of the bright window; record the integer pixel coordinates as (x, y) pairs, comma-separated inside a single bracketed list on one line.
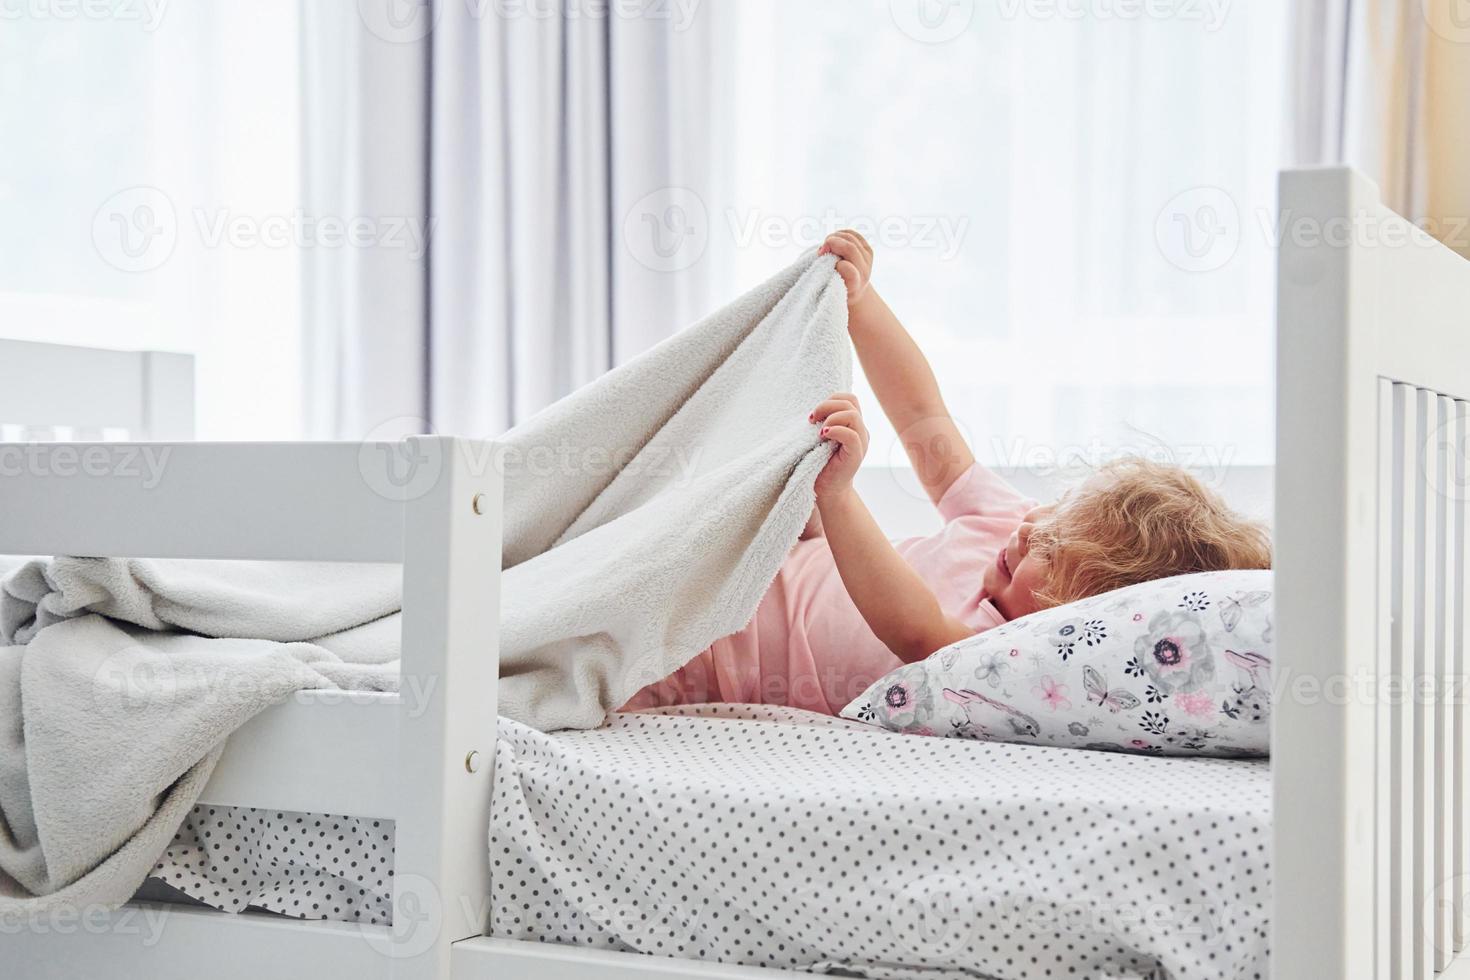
[(1072, 209), (152, 153)]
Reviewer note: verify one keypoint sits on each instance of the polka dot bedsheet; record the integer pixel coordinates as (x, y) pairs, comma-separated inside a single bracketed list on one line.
[(305, 865), (772, 837), (769, 837)]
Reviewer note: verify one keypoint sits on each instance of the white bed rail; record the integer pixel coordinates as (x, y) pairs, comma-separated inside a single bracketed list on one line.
[(423, 758), (1370, 742)]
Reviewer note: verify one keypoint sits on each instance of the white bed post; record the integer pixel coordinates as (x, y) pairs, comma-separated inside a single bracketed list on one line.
[(451, 615), (1322, 753)]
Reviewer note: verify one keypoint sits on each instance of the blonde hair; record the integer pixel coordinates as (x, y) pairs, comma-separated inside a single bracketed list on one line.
[(1135, 520)]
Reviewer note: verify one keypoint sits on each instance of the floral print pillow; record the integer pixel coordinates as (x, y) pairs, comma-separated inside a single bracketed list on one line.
[(1179, 666)]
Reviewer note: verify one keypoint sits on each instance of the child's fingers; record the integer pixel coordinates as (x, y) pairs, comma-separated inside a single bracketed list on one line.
[(847, 438), (837, 403), (851, 277), (845, 248), (833, 404), (858, 240), (836, 244), (849, 417)]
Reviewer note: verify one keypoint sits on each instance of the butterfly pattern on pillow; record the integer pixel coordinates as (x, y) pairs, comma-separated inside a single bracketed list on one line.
[(1179, 666)]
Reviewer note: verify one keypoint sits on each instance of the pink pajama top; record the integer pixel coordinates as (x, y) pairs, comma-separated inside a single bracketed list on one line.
[(809, 647)]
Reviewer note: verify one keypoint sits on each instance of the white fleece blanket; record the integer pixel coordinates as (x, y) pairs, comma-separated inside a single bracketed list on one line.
[(616, 579), (645, 515)]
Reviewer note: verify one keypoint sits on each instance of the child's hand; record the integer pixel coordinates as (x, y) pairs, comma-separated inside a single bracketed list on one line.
[(842, 423), (854, 262)]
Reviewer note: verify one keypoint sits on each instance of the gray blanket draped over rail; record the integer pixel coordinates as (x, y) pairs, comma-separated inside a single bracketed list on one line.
[(681, 481)]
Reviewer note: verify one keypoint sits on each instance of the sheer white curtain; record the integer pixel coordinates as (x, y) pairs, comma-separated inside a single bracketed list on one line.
[(1072, 211), (364, 100), (149, 188)]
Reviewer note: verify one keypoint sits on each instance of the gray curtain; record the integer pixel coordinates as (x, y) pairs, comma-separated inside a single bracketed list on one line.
[(528, 141)]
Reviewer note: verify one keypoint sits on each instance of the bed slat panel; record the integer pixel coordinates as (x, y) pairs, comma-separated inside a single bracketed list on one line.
[(1457, 484), (1403, 928), (1354, 311), (1443, 907), (1384, 717), (1423, 680)]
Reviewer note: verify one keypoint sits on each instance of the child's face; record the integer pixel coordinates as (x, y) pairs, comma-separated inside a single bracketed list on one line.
[(1014, 578)]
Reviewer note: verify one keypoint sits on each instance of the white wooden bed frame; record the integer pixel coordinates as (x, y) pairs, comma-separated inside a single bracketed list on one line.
[(1372, 834)]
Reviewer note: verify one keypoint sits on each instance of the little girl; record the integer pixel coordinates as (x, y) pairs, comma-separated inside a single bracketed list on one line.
[(848, 606)]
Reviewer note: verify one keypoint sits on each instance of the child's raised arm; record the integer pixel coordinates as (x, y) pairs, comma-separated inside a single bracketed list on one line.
[(893, 600), (898, 371)]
